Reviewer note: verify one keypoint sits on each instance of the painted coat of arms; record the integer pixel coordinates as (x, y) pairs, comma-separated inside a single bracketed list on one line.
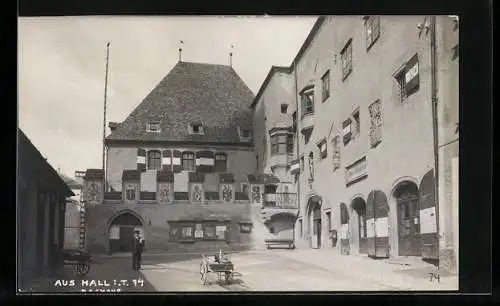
[(227, 193), (196, 193), (165, 193), (94, 192), (256, 194)]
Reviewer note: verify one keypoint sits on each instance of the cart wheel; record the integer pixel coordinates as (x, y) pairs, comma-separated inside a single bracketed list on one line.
[(203, 272), (229, 276), (82, 269)]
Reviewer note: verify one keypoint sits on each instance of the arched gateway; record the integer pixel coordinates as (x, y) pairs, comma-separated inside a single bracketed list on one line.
[(121, 230), (314, 218)]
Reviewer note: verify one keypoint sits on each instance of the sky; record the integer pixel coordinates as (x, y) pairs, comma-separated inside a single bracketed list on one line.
[(62, 64)]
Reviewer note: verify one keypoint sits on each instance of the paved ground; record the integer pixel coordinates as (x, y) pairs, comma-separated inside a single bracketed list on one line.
[(298, 270), (268, 270)]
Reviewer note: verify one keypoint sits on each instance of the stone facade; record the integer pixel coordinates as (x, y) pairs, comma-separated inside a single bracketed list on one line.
[(378, 135), (240, 161)]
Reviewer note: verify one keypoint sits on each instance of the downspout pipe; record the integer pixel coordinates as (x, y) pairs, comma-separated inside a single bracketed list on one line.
[(297, 136), (435, 126)]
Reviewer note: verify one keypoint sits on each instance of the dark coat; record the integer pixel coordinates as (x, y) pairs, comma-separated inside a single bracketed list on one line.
[(137, 245)]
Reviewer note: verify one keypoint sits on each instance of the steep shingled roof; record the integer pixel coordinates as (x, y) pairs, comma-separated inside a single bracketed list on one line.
[(73, 184), (190, 93)]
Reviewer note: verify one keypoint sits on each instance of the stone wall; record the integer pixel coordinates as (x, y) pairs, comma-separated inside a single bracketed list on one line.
[(155, 220)]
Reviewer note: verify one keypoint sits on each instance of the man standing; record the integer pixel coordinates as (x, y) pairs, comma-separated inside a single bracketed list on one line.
[(137, 248)]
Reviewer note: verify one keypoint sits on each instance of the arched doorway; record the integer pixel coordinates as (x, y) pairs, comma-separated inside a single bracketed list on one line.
[(359, 206), (428, 217), (408, 218), (280, 225), (314, 216), (345, 248), (121, 231), (377, 224)]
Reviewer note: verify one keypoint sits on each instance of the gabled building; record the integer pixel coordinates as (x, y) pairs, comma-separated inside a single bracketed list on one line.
[(178, 167), (370, 135)]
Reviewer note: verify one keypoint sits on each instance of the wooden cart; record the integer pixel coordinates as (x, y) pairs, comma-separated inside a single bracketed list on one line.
[(223, 267), (80, 259)]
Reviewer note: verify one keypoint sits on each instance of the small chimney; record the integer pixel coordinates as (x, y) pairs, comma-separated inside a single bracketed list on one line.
[(231, 57), (180, 50), (112, 126)]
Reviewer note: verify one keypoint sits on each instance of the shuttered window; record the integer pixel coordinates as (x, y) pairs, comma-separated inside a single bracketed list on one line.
[(154, 160), (188, 162), (220, 162)]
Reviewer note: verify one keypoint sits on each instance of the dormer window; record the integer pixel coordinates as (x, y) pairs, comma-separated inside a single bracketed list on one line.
[(196, 128), (245, 134), (153, 127)]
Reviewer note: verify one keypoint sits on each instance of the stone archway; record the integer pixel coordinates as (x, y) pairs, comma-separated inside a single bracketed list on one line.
[(406, 196), (120, 230), (314, 222), (359, 236)]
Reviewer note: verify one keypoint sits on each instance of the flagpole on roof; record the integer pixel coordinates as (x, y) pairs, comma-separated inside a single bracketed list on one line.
[(231, 56), (180, 50), (104, 118)]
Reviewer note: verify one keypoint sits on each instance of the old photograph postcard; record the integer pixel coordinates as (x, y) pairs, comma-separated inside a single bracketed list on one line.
[(238, 154)]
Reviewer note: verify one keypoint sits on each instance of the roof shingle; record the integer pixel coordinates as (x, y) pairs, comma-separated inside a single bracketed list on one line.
[(192, 92)]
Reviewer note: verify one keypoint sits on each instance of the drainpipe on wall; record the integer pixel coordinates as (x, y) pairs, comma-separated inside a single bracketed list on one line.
[(435, 126), (294, 65)]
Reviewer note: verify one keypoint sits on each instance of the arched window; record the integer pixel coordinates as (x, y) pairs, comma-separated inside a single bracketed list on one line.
[(220, 162), (154, 160), (188, 161)]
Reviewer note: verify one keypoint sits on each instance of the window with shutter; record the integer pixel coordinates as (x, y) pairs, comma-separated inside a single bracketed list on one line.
[(141, 159), (220, 162), (346, 57), (325, 88), (154, 160), (188, 162), (372, 26), (346, 127)]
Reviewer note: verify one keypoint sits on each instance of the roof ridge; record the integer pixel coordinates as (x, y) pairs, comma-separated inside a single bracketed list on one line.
[(212, 93)]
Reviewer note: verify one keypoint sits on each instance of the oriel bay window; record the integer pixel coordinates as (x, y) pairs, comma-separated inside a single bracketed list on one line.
[(307, 100), (188, 162), (281, 144), (154, 160)]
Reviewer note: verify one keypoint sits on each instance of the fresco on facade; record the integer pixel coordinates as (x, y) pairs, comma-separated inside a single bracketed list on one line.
[(256, 194), (166, 194), (227, 193), (94, 192), (196, 193)]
